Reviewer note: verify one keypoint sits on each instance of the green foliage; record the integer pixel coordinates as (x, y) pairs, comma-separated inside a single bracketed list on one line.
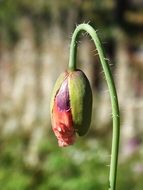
[(43, 13), (82, 166)]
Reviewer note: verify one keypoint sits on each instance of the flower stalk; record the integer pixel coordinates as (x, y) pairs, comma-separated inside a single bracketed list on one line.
[(112, 90)]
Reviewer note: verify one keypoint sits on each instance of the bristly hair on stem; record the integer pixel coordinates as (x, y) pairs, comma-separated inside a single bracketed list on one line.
[(112, 91)]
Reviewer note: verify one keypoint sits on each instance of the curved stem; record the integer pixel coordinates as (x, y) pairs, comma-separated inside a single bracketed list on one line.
[(112, 91)]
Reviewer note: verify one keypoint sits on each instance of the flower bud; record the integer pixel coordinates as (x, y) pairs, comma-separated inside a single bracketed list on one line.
[(71, 106)]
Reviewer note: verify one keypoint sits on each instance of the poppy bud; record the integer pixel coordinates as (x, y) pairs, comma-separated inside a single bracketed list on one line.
[(71, 106)]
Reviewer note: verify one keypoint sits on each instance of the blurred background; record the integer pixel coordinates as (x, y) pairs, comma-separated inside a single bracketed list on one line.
[(34, 49)]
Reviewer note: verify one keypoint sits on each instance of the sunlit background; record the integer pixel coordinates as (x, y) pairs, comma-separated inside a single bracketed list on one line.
[(34, 49)]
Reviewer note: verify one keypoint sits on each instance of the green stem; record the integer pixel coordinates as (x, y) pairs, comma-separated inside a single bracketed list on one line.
[(112, 91)]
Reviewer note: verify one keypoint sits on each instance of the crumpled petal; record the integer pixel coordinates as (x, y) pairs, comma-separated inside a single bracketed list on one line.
[(62, 118)]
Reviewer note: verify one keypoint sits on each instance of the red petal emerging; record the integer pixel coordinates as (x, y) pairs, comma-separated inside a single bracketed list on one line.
[(62, 118), (62, 126)]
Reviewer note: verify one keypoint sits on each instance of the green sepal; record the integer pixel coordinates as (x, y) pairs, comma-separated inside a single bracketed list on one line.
[(58, 83), (80, 101)]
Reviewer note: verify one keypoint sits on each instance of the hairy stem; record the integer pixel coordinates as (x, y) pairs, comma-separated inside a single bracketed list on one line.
[(112, 90)]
